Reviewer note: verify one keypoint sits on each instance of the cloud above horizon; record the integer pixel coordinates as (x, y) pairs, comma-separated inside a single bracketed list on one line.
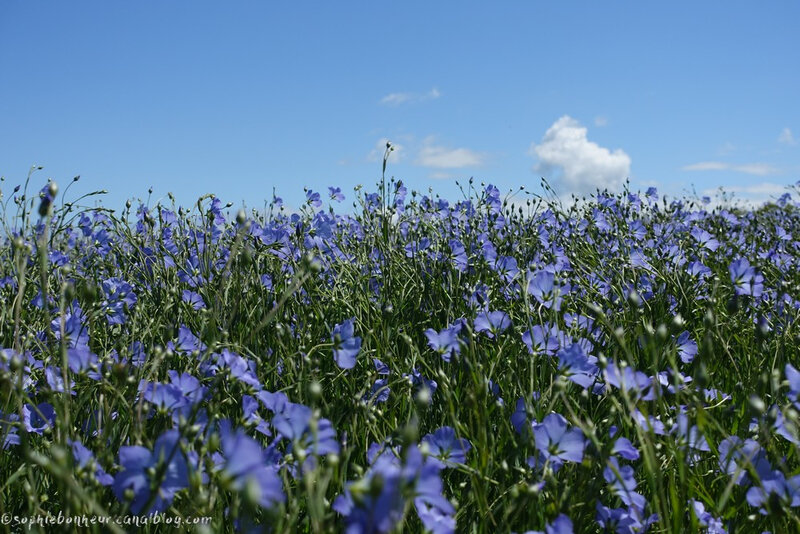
[(395, 156), (757, 169), (396, 99), (440, 157), (786, 137), (571, 162)]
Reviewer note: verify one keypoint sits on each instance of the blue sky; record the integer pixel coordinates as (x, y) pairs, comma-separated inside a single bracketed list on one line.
[(239, 98)]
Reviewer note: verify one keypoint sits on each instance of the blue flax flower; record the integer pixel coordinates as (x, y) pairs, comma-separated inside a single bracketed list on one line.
[(119, 297), (623, 484), (556, 442), (346, 345), (312, 199), (545, 338), (629, 520), (38, 419), (335, 193), (577, 366), (687, 349), (418, 381), (446, 342), (492, 322), (637, 384), (560, 525), (737, 455), (295, 422), (793, 377), (705, 519), (544, 289), (689, 437), (379, 392), (746, 280), (446, 448), (246, 464), (377, 502), (195, 300), (84, 459), (773, 484), (8, 429), (170, 468)]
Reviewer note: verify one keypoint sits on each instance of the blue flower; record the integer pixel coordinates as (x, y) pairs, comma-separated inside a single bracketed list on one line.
[(705, 519), (446, 342), (55, 379), (689, 437), (704, 238), (335, 193), (250, 408), (380, 367), (346, 345), (445, 447), (637, 384), (542, 338), (377, 502), (169, 466), (687, 349), (38, 419), (241, 368), (418, 381), (81, 359), (193, 299), (746, 280), (187, 341), (577, 366), (625, 448), (793, 377), (629, 520), (379, 392), (75, 331), (735, 456), (245, 463), (164, 397), (84, 459), (8, 429), (458, 255), (492, 322), (773, 483), (560, 525), (558, 443), (119, 298), (312, 199), (544, 289), (623, 483), (295, 422)]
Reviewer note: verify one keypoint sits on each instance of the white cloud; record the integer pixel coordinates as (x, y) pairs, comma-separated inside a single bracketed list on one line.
[(440, 157), (396, 99), (706, 166), (786, 137), (600, 121), (395, 156), (726, 149), (758, 169), (570, 161)]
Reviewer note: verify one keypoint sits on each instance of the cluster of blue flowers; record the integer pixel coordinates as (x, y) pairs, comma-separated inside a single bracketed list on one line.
[(261, 365)]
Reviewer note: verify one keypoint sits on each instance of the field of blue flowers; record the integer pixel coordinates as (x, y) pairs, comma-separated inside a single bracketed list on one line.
[(623, 364)]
